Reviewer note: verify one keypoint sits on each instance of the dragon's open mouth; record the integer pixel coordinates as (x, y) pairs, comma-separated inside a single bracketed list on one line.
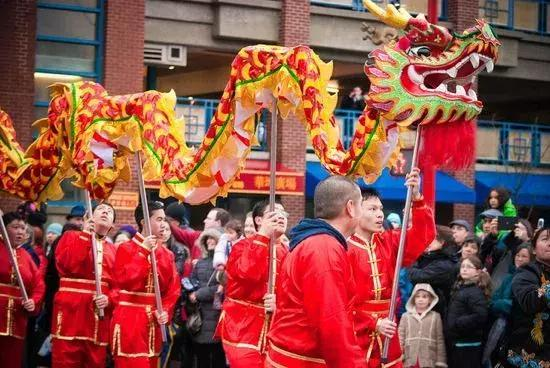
[(454, 81)]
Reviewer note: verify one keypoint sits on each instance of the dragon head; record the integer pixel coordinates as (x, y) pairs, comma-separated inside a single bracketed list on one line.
[(428, 76)]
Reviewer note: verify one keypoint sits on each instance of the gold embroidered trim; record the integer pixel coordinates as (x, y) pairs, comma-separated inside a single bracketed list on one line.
[(58, 335), (398, 360), (84, 281), (10, 321), (240, 345), (117, 350), (296, 356), (247, 304), (74, 290)]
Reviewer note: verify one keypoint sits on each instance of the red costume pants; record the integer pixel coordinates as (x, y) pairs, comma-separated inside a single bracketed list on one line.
[(141, 362), (243, 357), (11, 351), (77, 353)]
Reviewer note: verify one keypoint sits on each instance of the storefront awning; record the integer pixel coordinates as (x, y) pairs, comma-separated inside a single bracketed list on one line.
[(448, 189), (527, 189)]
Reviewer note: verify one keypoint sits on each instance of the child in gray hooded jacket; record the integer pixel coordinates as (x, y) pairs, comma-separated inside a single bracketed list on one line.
[(421, 330)]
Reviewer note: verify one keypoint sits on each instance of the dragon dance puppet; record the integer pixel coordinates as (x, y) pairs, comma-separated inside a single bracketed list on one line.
[(427, 77)]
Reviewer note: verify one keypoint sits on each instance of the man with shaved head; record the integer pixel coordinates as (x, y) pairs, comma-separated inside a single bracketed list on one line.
[(312, 325)]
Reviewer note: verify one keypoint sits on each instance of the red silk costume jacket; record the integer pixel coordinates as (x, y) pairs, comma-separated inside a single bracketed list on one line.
[(312, 324), (13, 317), (135, 331), (244, 323), (74, 313), (373, 266)]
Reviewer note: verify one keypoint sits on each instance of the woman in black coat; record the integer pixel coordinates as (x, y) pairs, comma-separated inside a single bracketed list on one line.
[(529, 340), (208, 350), (467, 315), (437, 267)]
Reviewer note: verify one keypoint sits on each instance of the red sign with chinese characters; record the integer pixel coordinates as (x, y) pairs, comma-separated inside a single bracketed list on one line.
[(254, 179)]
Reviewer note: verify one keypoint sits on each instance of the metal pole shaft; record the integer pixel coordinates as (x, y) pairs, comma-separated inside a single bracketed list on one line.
[(13, 259), (147, 222), (272, 190), (401, 249), (97, 276)]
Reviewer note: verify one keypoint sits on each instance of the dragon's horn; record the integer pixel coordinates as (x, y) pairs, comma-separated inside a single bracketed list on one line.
[(391, 16)]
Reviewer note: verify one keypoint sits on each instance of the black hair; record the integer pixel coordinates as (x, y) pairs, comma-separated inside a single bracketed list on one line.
[(222, 216), (503, 196), (96, 205), (9, 217), (538, 233), (258, 211), (369, 193), (138, 213)]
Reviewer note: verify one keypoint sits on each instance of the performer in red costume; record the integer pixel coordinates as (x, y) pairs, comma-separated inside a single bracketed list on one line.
[(79, 336), (372, 254), (136, 337), (312, 324), (14, 313), (245, 320)]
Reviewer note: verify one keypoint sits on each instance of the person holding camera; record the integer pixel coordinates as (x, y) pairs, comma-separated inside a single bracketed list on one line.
[(502, 250), (246, 321)]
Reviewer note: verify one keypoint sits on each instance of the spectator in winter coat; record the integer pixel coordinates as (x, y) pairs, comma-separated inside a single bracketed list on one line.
[(529, 341), (421, 330), (209, 351), (467, 315), (501, 303), (437, 267)]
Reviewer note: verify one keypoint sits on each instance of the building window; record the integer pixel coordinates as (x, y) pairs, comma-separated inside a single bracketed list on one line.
[(69, 48), (525, 15)]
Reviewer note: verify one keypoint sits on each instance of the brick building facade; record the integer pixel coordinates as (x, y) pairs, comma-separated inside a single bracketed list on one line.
[(129, 24)]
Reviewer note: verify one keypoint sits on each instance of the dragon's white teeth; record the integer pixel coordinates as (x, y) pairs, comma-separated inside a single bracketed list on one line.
[(489, 66), (452, 72), (460, 90), (472, 94), (441, 88), (474, 59), (414, 76)]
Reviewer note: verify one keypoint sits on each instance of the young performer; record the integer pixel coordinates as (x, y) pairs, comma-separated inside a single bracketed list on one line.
[(79, 336), (372, 254), (312, 324), (14, 313), (136, 337), (244, 323)]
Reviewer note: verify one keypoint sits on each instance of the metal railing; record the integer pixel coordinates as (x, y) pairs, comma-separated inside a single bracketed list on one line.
[(198, 113), (500, 143), (357, 5), (514, 144)]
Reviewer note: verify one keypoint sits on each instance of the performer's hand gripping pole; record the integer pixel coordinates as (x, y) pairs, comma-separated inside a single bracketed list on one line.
[(272, 188), (97, 276), (13, 259), (401, 249), (147, 221)]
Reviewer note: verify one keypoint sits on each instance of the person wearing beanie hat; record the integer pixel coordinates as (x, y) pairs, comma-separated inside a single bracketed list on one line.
[(177, 213), (394, 220), (52, 232), (76, 216), (461, 229)]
